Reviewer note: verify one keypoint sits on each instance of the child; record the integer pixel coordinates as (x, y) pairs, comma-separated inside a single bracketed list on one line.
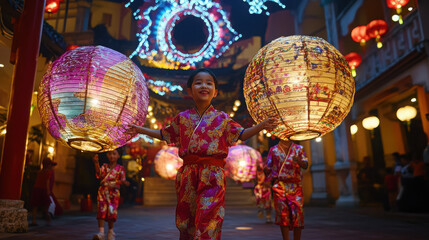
[(284, 164), (263, 195), (112, 175), (203, 135), (42, 190)]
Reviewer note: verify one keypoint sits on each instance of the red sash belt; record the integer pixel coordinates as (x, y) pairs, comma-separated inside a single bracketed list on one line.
[(195, 159)]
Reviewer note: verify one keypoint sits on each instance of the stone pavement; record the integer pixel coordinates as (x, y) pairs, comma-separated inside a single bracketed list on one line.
[(147, 223)]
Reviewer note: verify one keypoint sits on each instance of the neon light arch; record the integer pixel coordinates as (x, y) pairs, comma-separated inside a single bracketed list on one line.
[(158, 20)]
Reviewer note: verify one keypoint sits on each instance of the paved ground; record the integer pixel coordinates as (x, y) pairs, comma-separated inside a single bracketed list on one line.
[(321, 223)]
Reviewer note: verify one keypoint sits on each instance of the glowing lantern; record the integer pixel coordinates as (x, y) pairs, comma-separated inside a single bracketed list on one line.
[(52, 6), (354, 61), (241, 163), (71, 47), (167, 162), (304, 82), (370, 123), (359, 35), (353, 129), (406, 113), (375, 29), (397, 4), (88, 97)]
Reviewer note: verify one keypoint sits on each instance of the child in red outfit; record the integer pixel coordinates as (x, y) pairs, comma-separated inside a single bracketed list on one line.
[(203, 135), (284, 164), (112, 175)]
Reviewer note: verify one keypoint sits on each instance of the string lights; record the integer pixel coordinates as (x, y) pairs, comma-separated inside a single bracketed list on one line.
[(258, 6)]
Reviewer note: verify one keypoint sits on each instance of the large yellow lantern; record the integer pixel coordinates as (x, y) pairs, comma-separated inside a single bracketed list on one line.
[(88, 97), (302, 81)]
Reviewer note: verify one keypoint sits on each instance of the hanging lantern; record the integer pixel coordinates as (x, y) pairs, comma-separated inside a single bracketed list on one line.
[(71, 47), (406, 113), (88, 97), (304, 82), (241, 163), (52, 6), (397, 4), (370, 123), (354, 61), (167, 162), (375, 29), (359, 35), (353, 129)]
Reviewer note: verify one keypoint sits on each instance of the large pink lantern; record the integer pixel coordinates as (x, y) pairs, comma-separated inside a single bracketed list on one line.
[(241, 163), (302, 81), (167, 162), (88, 97)]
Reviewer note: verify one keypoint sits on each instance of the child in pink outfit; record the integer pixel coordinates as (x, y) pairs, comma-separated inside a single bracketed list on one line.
[(112, 175)]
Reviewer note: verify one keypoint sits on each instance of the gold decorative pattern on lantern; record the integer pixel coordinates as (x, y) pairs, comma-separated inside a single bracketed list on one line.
[(302, 81)]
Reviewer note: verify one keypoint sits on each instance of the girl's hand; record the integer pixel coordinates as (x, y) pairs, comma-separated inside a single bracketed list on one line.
[(269, 124), (132, 129)]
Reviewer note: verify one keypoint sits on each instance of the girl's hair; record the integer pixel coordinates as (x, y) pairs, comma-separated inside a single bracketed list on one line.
[(191, 77)]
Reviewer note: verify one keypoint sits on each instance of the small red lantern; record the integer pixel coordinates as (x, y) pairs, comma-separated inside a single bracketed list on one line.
[(52, 6), (359, 35), (375, 29), (354, 61), (397, 4), (71, 47)]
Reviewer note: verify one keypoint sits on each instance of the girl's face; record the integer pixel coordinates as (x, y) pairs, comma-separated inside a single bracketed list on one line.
[(113, 156), (203, 88)]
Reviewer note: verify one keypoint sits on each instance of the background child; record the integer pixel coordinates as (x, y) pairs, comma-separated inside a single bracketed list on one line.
[(203, 136), (284, 163), (42, 190), (262, 193), (112, 175)]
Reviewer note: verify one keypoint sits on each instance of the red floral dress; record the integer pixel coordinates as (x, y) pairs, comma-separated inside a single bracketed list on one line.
[(108, 192), (287, 188), (203, 143)]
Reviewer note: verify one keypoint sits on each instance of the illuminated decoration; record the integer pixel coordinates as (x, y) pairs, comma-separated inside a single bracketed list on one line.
[(71, 47), (241, 163), (302, 81), (88, 97), (353, 129), (359, 35), (52, 6), (370, 123), (167, 162), (144, 137), (397, 4), (406, 113), (258, 6), (157, 21), (162, 87), (354, 61), (375, 29)]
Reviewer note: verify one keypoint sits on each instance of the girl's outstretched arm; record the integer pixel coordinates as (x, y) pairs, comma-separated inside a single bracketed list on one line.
[(134, 129), (269, 124)]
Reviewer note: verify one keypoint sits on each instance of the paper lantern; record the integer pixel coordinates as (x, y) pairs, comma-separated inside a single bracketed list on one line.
[(370, 123), (354, 61), (353, 129), (88, 97), (397, 4), (71, 47), (167, 162), (302, 81), (241, 163), (52, 6), (406, 113), (375, 29), (359, 35)]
